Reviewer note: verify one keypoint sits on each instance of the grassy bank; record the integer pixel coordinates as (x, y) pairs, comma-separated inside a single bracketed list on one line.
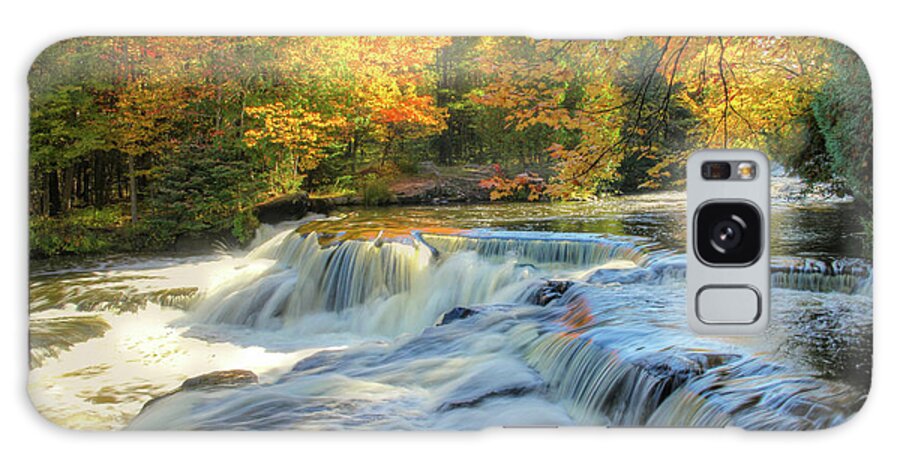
[(92, 231)]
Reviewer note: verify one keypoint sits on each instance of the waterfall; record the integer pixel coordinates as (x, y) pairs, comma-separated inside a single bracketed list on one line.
[(606, 386), (851, 276), (606, 355), (372, 286), (757, 395), (839, 275), (540, 248)]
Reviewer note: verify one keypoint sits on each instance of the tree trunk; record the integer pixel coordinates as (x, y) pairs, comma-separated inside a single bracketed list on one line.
[(53, 181), (132, 187), (45, 197), (68, 184), (98, 189)]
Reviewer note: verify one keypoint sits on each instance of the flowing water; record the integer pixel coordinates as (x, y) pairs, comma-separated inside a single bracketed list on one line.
[(456, 317)]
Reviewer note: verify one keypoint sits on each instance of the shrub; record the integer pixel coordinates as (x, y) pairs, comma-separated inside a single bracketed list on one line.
[(408, 166), (375, 191), (83, 231), (243, 226)]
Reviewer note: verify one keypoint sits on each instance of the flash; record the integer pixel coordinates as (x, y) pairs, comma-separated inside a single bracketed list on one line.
[(746, 170)]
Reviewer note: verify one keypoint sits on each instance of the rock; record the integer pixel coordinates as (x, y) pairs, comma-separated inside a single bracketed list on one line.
[(551, 290), (220, 379), (325, 205), (284, 208), (211, 381), (456, 314), (675, 371), (414, 190), (428, 168)]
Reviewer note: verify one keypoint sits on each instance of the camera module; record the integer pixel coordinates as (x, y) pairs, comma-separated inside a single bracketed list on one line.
[(728, 233)]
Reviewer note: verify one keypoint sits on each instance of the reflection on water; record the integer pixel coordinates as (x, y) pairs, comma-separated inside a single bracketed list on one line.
[(565, 314)]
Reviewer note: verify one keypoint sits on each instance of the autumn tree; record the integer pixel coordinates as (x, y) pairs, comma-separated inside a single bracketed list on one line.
[(188, 134), (738, 92)]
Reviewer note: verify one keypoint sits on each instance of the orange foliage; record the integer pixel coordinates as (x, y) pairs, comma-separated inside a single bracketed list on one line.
[(741, 90)]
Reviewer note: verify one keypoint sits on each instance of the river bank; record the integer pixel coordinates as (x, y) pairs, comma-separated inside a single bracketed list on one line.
[(109, 230)]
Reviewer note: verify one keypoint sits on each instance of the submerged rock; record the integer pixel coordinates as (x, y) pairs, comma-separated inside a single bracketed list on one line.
[(455, 314), (211, 381), (551, 290)]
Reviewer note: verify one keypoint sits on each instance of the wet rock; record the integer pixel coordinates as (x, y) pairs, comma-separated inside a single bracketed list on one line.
[(284, 208), (672, 268), (512, 392), (212, 381), (674, 371), (620, 276), (455, 314), (670, 371), (551, 290), (220, 379)]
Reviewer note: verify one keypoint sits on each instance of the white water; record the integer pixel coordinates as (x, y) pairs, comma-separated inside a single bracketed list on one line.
[(344, 336), (103, 382), (355, 286)]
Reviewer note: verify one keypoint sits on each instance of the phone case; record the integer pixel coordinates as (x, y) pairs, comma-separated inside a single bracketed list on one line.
[(393, 233)]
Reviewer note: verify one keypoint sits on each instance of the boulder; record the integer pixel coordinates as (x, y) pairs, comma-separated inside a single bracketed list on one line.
[(211, 381), (284, 208)]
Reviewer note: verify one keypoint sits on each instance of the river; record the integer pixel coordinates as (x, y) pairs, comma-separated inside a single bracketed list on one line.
[(566, 314)]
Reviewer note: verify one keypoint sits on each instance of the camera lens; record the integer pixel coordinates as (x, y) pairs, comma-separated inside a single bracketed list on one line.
[(728, 233)]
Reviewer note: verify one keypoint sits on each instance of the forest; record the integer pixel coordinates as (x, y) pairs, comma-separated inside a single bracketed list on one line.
[(136, 141)]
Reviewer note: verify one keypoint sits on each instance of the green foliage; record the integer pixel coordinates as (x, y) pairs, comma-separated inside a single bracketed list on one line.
[(341, 186), (200, 192), (843, 113), (243, 225), (375, 191), (80, 232), (804, 154), (408, 166), (831, 143), (147, 235), (96, 230)]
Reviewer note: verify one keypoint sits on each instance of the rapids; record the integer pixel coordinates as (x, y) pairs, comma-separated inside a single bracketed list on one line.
[(573, 314)]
